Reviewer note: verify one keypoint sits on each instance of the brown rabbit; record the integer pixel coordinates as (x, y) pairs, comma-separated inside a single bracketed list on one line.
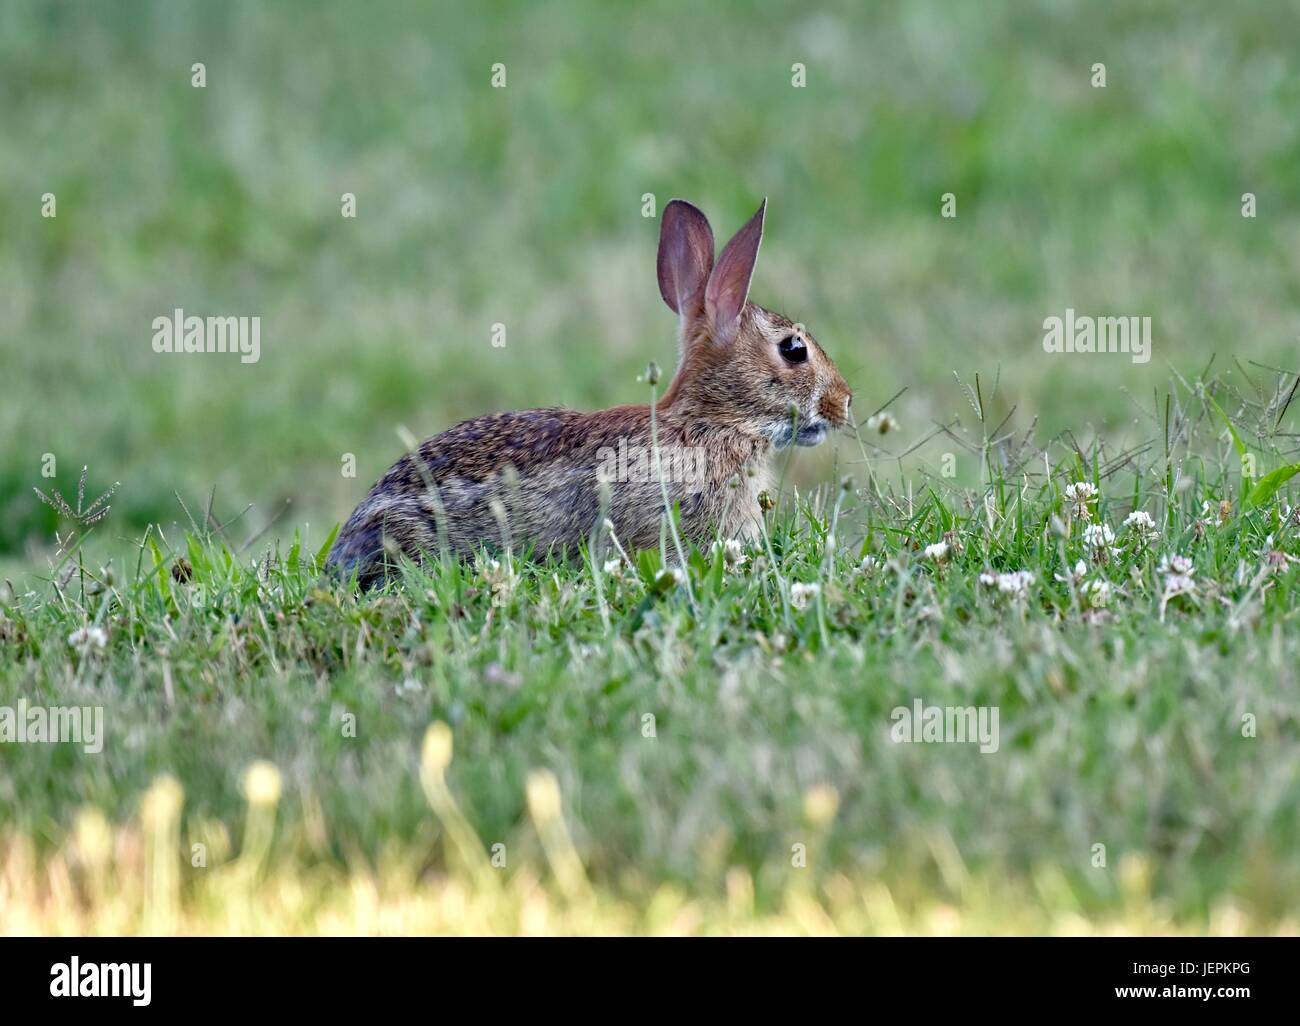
[(748, 381)]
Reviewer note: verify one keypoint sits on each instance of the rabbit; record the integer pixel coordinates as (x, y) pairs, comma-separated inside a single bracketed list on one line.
[(748, 381)]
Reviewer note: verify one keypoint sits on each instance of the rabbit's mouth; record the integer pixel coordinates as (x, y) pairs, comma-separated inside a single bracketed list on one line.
[(811, 434), (808, 433)]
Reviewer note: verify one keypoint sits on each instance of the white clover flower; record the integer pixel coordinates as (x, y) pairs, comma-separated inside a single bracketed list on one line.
[(1178, 571), (86, 639), (733, 553), (1098, 536), (1016, 585), (937, 551), (882, 423), (1080, 494), (1178, 581), (1140, 519), (1275, 560), (1176, 564), (1077, 575), (1141, 524), (801, 594), (1097, 592)]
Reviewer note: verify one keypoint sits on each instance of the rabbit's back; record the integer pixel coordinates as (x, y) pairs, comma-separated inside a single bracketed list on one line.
[(517, 479)]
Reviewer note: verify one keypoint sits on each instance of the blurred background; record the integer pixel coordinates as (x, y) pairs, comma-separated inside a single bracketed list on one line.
[(523, 206)]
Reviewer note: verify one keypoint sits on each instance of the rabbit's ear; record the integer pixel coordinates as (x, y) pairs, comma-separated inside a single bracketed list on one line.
[(728, 287), (685, 257)]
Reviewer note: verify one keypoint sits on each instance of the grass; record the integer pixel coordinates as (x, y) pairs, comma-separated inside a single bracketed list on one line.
[(701, 741), (225, 648), (523, 206)]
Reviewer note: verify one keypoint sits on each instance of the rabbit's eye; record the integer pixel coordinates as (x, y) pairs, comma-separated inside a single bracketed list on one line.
[(793, 349)]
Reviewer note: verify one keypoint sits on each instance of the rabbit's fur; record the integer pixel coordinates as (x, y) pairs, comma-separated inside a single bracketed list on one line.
[(748, 381)]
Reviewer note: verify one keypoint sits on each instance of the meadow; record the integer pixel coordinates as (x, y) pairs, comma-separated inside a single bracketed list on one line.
[(524, 745)]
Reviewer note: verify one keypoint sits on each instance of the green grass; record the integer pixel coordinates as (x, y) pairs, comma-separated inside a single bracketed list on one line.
[(522, 206), (1121, 722)]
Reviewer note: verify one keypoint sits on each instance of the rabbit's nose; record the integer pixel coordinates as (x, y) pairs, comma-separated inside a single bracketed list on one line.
[(835, 405)]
